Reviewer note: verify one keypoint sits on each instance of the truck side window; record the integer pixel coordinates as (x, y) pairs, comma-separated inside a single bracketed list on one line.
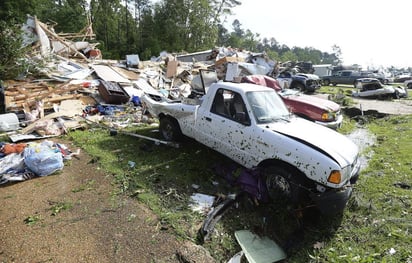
[(218, 105), (238, 110)]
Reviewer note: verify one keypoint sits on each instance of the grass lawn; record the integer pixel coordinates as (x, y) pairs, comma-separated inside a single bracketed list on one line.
[(375, 227)]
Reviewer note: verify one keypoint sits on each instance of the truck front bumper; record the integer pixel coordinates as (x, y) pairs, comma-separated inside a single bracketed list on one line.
[(333, 201), (332, 124)]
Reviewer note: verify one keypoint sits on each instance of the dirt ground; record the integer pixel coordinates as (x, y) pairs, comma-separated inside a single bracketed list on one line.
[(75, 217)]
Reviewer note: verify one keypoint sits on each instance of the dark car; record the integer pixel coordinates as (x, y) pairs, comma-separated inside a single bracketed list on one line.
[(321, 111), (301, 81)]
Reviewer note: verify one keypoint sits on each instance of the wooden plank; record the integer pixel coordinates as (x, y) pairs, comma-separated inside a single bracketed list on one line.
[(68, 108)]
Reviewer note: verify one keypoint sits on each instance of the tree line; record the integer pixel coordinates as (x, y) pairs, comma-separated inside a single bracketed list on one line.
[(146, 27)]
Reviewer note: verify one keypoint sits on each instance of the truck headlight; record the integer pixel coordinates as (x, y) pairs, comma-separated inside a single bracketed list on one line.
[(335, 177), (328, 116)]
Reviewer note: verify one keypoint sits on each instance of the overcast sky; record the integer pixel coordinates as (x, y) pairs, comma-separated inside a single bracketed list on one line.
[(369, 32)]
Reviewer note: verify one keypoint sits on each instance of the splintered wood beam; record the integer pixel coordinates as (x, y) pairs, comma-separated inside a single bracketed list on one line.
[(61, 40)]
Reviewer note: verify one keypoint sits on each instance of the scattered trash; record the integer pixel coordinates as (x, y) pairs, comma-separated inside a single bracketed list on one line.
[(24, 161), (131, 164), (259, 249), (201, 203), (43, 158), (237, 258), (214, 215), (402, 185)]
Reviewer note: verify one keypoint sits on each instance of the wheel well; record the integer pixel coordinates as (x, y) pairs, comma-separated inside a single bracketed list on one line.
[(280, 163), (163, 115), (295, 84), (298, 179)]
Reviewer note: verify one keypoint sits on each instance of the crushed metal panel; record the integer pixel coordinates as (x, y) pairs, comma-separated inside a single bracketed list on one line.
[(259, 249), (108, 74), (131, 75), (197, 56), (146, 88)]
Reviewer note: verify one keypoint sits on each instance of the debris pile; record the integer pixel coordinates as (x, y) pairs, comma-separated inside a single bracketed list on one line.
[(75, 81)]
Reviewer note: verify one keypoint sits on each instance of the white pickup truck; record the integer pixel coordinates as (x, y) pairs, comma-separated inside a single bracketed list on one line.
[(250, 124)]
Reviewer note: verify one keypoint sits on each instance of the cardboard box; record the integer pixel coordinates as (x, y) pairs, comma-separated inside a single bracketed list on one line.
[(228, 59)]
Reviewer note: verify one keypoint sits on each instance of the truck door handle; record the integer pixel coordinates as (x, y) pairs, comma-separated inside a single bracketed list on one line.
[(208, 119)]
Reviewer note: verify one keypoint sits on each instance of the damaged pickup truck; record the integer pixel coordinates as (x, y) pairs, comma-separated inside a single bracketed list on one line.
[(305, 162)]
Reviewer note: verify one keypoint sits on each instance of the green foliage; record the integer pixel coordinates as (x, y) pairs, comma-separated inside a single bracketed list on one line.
[(12, 53), (12, 11), (70, 15), (32, 220), (59, 207)]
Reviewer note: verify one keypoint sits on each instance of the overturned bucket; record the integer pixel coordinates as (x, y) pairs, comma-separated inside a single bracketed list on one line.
[(9, 122)]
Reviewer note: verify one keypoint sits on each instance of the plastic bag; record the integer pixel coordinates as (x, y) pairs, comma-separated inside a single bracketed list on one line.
[(12, 161), (43, 159)]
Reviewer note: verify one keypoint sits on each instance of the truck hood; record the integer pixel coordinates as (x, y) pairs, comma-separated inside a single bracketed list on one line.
[(308, 76), (313, 101), (328, 141)]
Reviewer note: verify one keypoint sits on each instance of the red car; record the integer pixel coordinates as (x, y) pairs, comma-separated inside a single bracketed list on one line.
[(321, 111)]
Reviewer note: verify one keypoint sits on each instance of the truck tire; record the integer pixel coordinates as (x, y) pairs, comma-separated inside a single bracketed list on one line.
[(170, 129), (326, 82), (287, 183)]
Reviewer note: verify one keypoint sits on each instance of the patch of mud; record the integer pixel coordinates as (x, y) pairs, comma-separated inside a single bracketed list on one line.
[(364, 139)]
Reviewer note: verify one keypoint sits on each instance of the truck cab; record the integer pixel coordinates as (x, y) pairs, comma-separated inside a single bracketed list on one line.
[(251, 125)]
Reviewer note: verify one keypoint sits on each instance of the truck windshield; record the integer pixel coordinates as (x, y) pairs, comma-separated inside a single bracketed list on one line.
[(267, 106)]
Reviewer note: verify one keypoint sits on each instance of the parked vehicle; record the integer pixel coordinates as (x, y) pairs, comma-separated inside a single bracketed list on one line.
[(348, 77), (318, 110), (402, 77), (250, 124), (371, 87), (408, 84), (301, 81), (381, 77)]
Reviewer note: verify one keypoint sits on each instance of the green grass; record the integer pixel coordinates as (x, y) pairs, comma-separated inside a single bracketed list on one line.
[(375, 227)]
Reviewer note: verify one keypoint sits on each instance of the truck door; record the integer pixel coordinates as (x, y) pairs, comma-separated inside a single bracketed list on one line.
[(226, 126)]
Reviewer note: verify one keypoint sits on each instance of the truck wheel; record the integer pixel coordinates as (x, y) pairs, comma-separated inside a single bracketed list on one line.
[(326, 82), (170, 130), (285, 182)]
